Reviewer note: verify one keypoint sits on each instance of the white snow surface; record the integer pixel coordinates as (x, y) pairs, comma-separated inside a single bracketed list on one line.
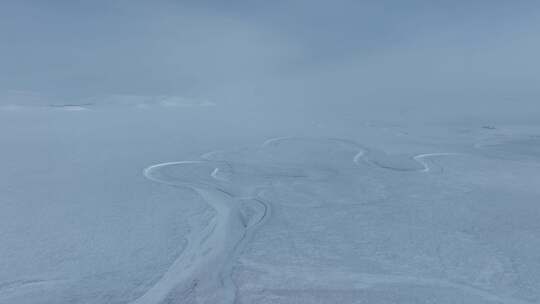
[(130, 199)]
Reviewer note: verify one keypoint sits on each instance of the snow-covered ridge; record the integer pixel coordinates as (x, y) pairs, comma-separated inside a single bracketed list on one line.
[(23, 100)]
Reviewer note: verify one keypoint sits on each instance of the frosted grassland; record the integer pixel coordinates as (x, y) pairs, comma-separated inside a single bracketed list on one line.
[(173, 152)]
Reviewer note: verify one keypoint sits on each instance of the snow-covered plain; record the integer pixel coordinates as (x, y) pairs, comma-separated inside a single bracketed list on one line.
[(257, 152), (141, 199)]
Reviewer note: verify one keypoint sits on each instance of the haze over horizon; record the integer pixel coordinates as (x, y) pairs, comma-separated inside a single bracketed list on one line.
[(452, 60)]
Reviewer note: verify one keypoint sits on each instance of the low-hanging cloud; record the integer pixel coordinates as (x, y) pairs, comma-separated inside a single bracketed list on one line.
[(470, 59)]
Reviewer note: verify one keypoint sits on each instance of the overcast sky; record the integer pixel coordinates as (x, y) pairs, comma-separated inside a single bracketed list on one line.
[(398, 55)]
